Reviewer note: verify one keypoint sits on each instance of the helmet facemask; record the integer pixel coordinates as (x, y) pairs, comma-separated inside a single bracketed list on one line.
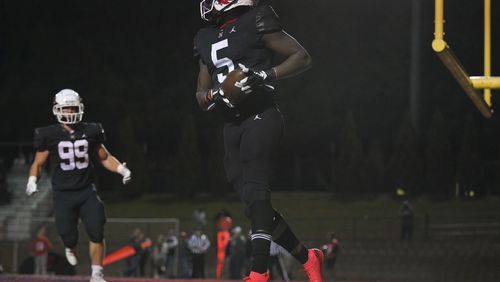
[(68, 107)]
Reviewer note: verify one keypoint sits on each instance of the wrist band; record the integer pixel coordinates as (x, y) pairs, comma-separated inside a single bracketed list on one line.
[(272, 74)]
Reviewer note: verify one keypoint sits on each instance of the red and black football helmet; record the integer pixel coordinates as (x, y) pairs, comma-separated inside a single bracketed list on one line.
[(209, 8)]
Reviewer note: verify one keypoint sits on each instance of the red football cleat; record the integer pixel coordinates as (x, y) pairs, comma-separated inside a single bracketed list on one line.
[(257, 277), (312, 267)]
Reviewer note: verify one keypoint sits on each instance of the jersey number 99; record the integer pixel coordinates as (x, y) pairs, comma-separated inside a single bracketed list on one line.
[(74, 154)]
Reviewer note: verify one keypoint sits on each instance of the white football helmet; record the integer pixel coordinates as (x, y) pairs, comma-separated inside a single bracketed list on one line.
[(68, 98), (208, 7)]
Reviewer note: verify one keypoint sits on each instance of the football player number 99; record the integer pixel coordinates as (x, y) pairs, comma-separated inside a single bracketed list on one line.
[(75, 154), (221, 62)]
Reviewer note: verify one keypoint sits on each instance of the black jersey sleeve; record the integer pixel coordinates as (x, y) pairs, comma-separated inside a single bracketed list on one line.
[(40, 140), (95, 133), (101, 137), (266, 20), (196, 54)]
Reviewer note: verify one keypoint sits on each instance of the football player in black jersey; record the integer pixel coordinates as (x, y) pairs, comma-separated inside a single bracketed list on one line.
[(71, 147), (243, 34)]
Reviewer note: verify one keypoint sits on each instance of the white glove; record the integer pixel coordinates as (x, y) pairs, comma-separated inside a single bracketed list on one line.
[(125, 172), (31, 186)]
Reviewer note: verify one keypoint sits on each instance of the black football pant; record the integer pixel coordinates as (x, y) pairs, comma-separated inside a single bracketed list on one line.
[(250, 149), (84, 204), (198, 266)]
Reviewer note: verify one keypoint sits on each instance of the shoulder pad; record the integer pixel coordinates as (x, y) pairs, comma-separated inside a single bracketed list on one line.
[(40, 137), (267, 20), (196, 52), (95, 128)]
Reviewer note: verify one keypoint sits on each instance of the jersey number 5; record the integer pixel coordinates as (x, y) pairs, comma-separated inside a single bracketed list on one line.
[(74, 155), (221, 62)]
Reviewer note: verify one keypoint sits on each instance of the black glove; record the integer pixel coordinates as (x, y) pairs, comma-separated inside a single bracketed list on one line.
[(218, 98), (254, 78)]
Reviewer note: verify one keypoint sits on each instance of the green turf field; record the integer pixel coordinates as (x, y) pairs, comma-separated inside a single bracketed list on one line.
[(313, 215)]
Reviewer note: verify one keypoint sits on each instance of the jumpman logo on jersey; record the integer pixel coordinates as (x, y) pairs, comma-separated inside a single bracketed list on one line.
[(232, 30), (257, 117)]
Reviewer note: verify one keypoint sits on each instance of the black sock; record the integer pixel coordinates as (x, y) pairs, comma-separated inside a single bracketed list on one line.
[(261, 215), (260, 255)]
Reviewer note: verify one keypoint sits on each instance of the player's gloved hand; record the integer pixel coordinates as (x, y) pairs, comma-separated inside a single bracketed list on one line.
[(218, 97), (125, 172), (254, 78), (31, 187)]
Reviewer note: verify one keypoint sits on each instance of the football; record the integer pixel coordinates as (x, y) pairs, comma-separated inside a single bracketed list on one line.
[(231, 92)]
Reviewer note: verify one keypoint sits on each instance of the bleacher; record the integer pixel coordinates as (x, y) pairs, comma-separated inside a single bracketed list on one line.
[(475, 229), (431, 260), (15, 217)]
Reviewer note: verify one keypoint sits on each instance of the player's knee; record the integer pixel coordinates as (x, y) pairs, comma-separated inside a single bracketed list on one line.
[(262, 217), (95, 232)]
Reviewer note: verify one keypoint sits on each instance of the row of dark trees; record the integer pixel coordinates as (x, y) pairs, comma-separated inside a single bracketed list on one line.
[(425, 162), (418, 164)]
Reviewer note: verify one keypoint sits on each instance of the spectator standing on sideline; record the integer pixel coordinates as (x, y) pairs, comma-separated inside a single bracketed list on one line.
[(172, 243), (407, 216), (185, 256), (41, 246), (331, 250), (276, 265), (237, 253), (132, 262), (248, 252), (144, 256), (160, 250), (198, 244), (5, 194)]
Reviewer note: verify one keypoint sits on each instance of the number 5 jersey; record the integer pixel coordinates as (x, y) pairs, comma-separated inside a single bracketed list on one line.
[(221, 48), (71, 153)]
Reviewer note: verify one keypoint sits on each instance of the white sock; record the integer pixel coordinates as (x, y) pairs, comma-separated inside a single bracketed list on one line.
[(96, 269)]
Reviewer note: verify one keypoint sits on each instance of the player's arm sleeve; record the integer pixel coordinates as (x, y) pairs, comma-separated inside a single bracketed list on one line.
[(41, 153), (39, 140), (196, 53), (101, 136), (266, 20)]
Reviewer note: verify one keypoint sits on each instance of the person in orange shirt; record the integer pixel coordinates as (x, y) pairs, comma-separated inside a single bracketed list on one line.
[(41, 246), (331, 250)]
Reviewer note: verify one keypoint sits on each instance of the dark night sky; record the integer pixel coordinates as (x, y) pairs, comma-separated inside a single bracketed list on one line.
[(134, 57)]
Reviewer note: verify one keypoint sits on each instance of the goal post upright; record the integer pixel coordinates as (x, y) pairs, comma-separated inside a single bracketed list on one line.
[(469, 84)]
